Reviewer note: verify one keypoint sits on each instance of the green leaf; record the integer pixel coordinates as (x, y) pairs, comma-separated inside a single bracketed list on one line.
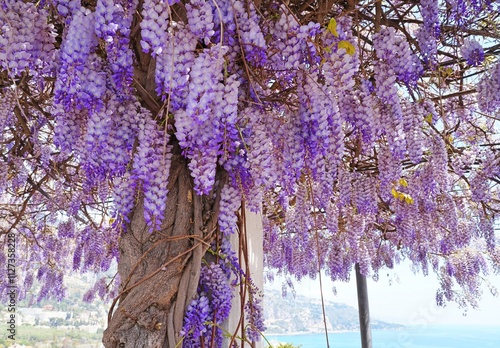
[(349, 48)]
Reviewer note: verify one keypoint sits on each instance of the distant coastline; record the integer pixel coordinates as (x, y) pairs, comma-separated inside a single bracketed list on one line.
[(301, 315), (300, 333)]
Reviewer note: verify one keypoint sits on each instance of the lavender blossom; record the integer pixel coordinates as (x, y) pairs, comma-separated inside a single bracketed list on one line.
[(488, 88), (430, 30), (151, 168), (200, 19), (26, 38), (472, 52), (154, 26)]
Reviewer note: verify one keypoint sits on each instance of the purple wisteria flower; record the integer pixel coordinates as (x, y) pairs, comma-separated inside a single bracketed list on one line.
[(200, 19), (472, 52), (173, 66), (26, 38), (488, 89), (393, 49), (209, 309), (154, 26), (429, 32), (151, 168)]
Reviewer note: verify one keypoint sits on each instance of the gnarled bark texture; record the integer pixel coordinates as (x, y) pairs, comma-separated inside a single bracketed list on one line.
[(160, 269)]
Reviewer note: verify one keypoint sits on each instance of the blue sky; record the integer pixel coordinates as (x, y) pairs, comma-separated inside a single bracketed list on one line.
[(407, 298)]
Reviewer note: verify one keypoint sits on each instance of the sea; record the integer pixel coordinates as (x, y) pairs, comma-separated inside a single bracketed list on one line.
[(408, 337)]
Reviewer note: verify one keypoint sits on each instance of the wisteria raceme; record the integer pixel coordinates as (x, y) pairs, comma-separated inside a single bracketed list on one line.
[(314, 114), (112, 24), (252, 39), (229, 204), (26, 38), (335, 121), (197, 314), (479, 188), (464, 11), (344, 187), (413, 118), (261, 154), (254, 311), (69, 128), (226, 112), (108, 19), (364, 190), (395, 51), (211, 307), (66, 8), (200, 126), (151, 168), (429, 31), (287, 41), (109, 140), (473, 52), (391, 111), (200, 19), (124, 196), (439, 162), (389, 171), (362, 117), (293, 153), (204, 76), (97, 289), (81, 40), (90, 85), (488, 88), (173, 66), (342, 66), (154, 26)]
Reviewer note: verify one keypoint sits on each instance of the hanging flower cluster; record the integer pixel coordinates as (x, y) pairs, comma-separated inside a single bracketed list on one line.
[(26, 38), (329, 124), (488, 97), (430, 30), (473, 52), (212, 306)]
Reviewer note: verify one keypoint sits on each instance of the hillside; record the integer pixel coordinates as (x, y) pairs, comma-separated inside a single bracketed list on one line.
[(302, 314)]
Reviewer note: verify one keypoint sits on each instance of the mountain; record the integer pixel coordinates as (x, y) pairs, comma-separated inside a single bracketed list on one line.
[(285, 315)]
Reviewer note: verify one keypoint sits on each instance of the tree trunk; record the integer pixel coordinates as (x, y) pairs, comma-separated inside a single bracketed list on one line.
[(363, 309), (160, 270)]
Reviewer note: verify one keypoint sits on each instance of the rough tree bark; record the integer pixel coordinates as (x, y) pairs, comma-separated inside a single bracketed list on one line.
[(160, 269)]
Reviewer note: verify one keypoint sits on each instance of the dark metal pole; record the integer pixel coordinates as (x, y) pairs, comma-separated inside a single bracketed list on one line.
[(363, 309)]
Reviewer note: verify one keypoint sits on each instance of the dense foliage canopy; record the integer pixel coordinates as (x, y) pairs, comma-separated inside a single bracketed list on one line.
[(366, 132)]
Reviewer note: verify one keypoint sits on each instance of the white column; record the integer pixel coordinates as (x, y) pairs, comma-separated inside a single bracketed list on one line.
[(254, 241)]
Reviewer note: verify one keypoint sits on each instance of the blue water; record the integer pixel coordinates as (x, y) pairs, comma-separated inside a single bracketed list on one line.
[(413, 337)]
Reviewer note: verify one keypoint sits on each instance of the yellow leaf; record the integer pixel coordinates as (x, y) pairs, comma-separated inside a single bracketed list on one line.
[(332, 27), (428, 118), (394, 193), (349, 48), (403, 182), (409, 200)]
